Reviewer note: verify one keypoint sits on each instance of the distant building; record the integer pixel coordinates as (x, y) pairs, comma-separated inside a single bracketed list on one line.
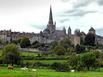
[(50, 34)]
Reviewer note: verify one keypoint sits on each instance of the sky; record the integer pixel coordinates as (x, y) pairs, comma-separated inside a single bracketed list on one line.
[(33, 15)]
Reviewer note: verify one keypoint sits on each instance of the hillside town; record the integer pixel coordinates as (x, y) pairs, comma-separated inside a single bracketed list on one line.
[(52, 52), (50, 34)]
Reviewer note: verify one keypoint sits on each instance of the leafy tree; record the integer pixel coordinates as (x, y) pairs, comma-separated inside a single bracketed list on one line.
[(10, 54), (54, 44), (25, 42), (70, 50), (59, 50), (66, 43), (74, 61), (88, 60), (79, 48), (90, 39)]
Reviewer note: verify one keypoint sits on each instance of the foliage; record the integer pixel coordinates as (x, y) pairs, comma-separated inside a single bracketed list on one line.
[(54, 44), (10, 54), (90, 39), (60, 67), (84, 61), (66, 43), (74, 62), (88, 60), (59, 50), (70, 51), (40, 64), (79, 48), (25, 42)]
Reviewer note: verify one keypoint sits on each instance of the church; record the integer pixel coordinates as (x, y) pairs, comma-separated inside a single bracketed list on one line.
[(51, 34)]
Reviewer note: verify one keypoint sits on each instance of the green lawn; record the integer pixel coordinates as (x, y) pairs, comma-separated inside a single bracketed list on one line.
[(29, 54), (46, 73)]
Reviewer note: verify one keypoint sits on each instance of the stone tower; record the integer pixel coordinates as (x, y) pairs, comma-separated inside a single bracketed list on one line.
[(64, 30), (69, 31), (51, 25)]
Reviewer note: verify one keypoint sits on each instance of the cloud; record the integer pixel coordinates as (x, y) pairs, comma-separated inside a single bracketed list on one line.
[(76, 12), (65, 0), (82, 3), (82, 13), (100, 2), (99, 31), (64, 20), (36, 26)]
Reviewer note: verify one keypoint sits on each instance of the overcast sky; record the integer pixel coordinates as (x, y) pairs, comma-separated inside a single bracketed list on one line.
[(32, 15)]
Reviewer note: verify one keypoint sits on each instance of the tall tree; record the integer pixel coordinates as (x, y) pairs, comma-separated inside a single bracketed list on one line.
[(90, 39), (10, 54), (24, 42)]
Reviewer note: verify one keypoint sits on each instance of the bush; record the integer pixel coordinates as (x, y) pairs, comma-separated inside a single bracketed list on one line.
[(25, 42), (79, 49), (11, 55), (59, 50), (60, 67), (85, 61), (88, 60), (40, 64), (74, 62)]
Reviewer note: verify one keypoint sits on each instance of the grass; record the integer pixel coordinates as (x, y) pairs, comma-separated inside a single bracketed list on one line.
[(17, 72), (29, 54)]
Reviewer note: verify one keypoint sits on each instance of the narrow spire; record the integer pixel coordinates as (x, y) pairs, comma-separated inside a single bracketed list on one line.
[(50, 16)]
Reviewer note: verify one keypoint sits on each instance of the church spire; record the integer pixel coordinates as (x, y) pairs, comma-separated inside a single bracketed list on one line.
[(50, 16)]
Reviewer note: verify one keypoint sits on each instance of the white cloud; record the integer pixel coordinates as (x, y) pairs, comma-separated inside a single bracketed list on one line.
[(32, 15)]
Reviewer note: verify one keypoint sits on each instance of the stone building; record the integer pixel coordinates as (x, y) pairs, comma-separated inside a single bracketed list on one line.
[(50, 34)]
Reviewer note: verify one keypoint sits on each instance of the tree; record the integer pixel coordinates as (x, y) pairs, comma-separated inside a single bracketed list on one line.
[(54, 44), (88, 60), (59, 50), (74, 61), (25, 42), (90, 39), (79, 49), (10, 54), (70, 51), (66, 43)]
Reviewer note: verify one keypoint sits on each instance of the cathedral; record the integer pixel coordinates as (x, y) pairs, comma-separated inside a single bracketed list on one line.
[(50, 34)]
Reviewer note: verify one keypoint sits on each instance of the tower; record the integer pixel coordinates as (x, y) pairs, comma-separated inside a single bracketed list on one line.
[(69, 31), (51, 25), (64, 30)]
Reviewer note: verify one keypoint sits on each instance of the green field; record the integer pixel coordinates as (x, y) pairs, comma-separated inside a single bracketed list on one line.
[(29, 54), (17, 72)]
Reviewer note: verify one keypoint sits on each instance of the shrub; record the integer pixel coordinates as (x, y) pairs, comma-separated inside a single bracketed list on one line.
[(88, 60), (40, 64), (74, 62), (11, 54), (60, 67), (59, 50)]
